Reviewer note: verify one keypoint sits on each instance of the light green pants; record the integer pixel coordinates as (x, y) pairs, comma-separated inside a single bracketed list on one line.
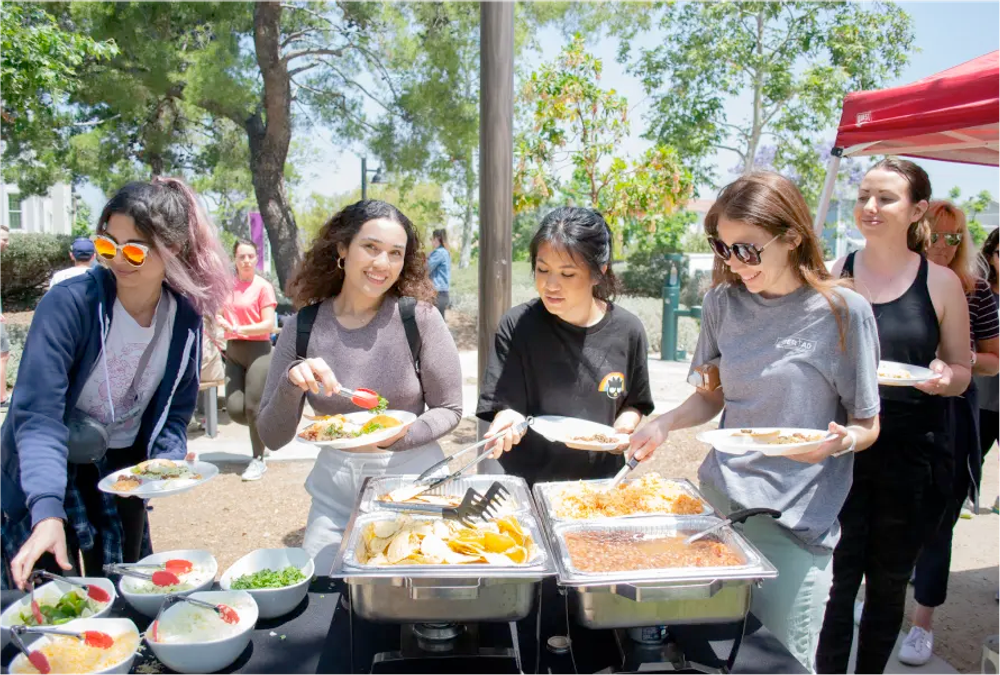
[(793, 605)]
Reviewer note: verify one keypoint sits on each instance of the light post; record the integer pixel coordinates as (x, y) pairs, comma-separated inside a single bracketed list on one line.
[(376, 179)]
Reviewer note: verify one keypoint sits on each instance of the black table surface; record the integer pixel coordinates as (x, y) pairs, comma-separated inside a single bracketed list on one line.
[(317, 637)]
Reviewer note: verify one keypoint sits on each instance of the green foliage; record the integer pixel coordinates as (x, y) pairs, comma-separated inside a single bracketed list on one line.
[(572, 122), (794, 61), (40, 66), (83, 225), (978, 233), (421, 203), (28, 263), (973, 206)]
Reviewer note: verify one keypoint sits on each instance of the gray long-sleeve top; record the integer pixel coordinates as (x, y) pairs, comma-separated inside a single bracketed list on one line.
[(376, 356)]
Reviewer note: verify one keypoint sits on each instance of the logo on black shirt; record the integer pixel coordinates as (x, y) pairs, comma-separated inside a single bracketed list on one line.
[(613, 385)]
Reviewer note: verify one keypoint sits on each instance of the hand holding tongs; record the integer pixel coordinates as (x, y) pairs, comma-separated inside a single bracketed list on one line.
[(473, 506), (426, 481)]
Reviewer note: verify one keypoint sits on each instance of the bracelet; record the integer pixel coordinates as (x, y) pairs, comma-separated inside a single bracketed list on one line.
[(854, 443)]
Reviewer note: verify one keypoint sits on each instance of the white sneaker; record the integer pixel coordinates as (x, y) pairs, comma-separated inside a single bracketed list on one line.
[(917, 647), (859, 608), (968, 510), (255, 471)]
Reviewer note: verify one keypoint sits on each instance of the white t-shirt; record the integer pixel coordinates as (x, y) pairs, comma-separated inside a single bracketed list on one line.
[(126, 340), (68, 273)]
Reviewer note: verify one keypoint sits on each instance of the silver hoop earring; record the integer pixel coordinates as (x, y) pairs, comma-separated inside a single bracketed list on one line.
[(340, 263)]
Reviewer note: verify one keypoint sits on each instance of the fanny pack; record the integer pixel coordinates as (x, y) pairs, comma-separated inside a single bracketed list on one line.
[(88, 437)]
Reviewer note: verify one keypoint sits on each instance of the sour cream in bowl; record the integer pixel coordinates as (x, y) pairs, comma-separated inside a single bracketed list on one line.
[(190, 639), (146, 597)]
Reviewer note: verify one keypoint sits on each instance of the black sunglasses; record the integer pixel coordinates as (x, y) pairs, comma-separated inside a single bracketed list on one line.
[(950, 238), (746, 253)]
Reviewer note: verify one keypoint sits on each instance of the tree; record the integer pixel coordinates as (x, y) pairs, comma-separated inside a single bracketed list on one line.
[(973, 207), (40, 64), (794, 61), (574, 124)]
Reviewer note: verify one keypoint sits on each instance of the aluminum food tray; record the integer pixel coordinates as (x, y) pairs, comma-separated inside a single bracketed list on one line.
[(520, 497), (755, 566), (544, 493), (441, 593), (698, 595)]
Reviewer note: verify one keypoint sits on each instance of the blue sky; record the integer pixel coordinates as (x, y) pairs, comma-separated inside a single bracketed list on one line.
[(947, 34)]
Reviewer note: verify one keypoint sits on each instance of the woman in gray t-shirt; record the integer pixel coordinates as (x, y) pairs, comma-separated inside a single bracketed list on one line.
[(794, 348)]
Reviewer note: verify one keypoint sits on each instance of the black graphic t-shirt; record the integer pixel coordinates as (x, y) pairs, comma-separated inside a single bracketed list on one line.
[(541, 365)]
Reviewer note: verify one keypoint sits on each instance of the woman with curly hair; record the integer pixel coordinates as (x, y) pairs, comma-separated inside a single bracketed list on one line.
[(365, 259)]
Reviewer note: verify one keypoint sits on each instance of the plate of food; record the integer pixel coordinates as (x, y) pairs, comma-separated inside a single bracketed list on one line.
[(579, 434), (773, 441), (157, 478), (355, 430), (893, 374)]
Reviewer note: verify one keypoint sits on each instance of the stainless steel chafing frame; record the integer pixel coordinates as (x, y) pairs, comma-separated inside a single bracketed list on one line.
[(520, 496)]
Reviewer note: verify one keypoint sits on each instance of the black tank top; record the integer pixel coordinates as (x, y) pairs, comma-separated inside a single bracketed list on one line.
[(908, 331)]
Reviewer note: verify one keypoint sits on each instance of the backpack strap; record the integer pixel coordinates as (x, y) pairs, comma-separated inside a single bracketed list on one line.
[(304, 325), (408, 312)]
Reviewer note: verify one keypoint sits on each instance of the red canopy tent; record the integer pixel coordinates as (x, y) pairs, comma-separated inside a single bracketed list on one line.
[(952, 116)]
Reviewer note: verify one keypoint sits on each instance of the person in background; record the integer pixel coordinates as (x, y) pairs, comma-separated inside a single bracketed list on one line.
[(248, 320), (902, 483), (571, 351), (952, 247), (439, 269), (113, 357), (364, 263), (4, 340), (795, 347), (82, 255), (989, 387)]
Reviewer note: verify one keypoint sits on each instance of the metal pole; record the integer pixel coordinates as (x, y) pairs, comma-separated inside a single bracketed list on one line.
[(496, 168), (828, 185), (364, 178)]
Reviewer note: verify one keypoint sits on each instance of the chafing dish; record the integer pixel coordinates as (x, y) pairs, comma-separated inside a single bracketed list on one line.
[(441, 593), (665, 596), (545, 494), (520, 499)]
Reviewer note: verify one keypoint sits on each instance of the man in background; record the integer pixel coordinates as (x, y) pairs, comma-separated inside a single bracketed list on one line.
[(4, 342), (82, 255)]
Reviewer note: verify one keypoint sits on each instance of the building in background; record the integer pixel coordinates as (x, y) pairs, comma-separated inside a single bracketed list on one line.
[(53, 213)]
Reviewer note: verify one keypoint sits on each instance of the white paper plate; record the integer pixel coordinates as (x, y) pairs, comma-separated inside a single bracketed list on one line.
[(559, 429), (910, 375), (407, 418), (161, 488), (732, 442)]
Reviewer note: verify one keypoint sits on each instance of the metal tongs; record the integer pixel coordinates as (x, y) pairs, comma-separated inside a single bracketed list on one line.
[(731, 519), (474, 506), (427, 480)]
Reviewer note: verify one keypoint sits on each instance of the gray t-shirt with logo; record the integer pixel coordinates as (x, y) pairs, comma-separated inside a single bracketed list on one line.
[(782, 365)]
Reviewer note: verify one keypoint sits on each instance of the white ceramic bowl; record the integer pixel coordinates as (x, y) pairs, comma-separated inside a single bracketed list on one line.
[(273, 602), (211, 655), (116, 628), (149, 603), (51, 592)]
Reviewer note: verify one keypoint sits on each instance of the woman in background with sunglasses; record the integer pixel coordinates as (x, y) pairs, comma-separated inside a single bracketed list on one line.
[(901, 485), (113, 357), (794, 348), (952, 247)]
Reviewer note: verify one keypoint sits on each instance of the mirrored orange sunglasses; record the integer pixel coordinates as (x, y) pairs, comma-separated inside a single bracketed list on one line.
[(132, 253)]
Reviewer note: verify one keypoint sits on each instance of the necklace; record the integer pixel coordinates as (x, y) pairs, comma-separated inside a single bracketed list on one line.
[(883, 287)]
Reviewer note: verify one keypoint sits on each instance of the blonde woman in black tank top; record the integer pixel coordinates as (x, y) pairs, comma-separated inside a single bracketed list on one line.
[(902, 482)]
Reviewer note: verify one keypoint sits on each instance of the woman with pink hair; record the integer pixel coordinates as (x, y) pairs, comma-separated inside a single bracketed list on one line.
[(113, 364)]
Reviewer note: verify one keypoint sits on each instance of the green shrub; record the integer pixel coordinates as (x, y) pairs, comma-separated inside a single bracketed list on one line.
[(646, 273), (28, 264), (17, 335)]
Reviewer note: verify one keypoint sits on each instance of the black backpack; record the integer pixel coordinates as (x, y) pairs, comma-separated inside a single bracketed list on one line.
[(407, 311)]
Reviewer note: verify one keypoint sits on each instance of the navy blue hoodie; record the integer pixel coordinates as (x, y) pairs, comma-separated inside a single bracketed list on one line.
[(64, 343)]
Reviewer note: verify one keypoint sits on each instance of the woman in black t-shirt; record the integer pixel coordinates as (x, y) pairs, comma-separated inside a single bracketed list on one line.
[(570, 352)]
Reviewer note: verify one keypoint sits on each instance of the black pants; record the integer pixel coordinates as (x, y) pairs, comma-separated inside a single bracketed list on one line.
[(442, 301), (131, 511), (989, 426), (247, 363), (930, 579), (896, 501)]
